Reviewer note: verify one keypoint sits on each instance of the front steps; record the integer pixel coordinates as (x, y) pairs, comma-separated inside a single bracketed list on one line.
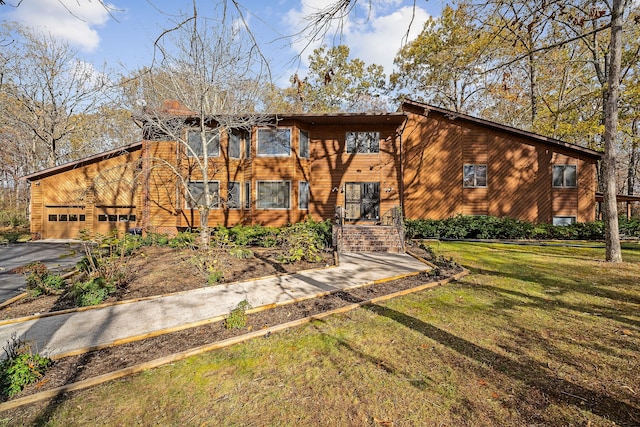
[(367, 238)]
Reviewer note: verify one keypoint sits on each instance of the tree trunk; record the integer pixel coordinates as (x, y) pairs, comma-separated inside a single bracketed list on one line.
[(612, 235)]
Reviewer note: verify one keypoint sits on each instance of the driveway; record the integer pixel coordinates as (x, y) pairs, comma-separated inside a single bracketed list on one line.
[(54, 255)]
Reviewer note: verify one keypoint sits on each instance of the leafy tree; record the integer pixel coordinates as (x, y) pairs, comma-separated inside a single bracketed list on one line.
[(337, 83), (441, 65)]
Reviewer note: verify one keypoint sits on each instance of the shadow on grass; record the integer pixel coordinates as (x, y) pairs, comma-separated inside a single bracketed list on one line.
[(531, 373)]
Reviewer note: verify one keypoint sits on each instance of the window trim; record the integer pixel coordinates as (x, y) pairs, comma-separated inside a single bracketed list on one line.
[(356, 133), (190, 151), (564, 178), (475, 175), (308, 194), (272, 129), (271, 208), (187, 199)]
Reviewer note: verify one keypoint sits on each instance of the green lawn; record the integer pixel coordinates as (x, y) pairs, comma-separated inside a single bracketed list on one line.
[(534, 336)]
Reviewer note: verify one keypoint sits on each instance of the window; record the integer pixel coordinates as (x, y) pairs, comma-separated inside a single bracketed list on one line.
[(83, 218), (474, 176), (564, 220), (102, 218), (235, 143), (274, 194), (303, 195), (304, 144), (233, 195), (247, 195), (195, 143), (363, 142), (62, 217), (132, 218), (123, 218), (53, 218), (564, 176), (274, 142), (73, 217), (196, 197)]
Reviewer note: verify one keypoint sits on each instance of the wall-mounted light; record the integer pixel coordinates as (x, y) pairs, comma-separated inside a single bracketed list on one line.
[(334, 190), (388, 190)]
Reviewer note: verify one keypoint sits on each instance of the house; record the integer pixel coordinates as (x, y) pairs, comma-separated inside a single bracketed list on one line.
[(430, 162)]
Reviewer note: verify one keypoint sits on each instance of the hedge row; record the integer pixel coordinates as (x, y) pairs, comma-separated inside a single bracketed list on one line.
[(489, 227)]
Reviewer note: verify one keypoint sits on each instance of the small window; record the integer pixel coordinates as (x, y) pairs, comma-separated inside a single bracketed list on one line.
[(235, 143), (247, 195), (195, 195), (304, 144), (123, 218), (53, 218), (247, 145), (274, 142), (82, 217), (132, 218), (564, 220), (564, 176), (62, 217), (363, 142), (274, 195), (474, 176), (102, 218), (233, 195), (73, 217), (303, 195), (113, 218), (194, 141)]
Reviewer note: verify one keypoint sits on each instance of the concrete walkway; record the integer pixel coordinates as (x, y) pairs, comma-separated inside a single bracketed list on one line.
[(64, 333)]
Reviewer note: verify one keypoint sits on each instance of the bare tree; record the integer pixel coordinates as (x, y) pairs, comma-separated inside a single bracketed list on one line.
[(214, 70)]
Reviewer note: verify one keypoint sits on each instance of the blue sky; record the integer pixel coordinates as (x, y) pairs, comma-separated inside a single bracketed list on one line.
[(123, 38)]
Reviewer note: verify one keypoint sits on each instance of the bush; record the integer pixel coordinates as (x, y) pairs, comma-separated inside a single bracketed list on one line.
[(238, 317), (40, 281), (183, 240), (255, 235), (21, 367), (301, 241), (155, 239), (92, 292)]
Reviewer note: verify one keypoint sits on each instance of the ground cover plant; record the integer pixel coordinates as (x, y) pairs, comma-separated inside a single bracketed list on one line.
[(534, 336)]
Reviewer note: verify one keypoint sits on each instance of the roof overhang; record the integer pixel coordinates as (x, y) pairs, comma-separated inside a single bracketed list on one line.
[(619, 198)]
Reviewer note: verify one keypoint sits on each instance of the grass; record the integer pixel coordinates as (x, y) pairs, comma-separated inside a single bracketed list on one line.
[(535, 336)]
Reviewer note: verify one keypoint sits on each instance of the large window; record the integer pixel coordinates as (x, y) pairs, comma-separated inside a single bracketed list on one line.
[(196, 190), (274, 142), (274, 195), (194, 140), (474, 176), (304, 144), (233, 195), (363, 142), (303, 195), (564, 176)]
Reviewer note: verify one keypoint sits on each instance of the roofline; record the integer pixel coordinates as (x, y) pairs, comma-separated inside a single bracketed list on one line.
[(81, 162), (509, 129), (619, 197)]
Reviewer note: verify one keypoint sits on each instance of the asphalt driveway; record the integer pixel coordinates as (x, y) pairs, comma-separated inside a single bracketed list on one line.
[(54, 255)]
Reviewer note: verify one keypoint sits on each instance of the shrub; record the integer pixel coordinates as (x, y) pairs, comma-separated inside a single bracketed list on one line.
[(300, 241), (214, 276), (21, 367), (41, 281), (240, 252), (155, 239), (92, 292), (238, 317), (183, 240), (255, 235)]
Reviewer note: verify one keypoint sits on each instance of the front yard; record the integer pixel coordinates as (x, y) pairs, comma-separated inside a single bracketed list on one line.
[(534, 336)]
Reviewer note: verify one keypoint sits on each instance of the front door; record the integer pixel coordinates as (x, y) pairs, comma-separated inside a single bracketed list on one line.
[(362, 201)]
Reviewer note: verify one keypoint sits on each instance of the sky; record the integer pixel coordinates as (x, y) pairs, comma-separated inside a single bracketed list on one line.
[(122, 37)]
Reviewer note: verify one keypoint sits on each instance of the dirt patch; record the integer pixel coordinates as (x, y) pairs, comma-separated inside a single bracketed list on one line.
[(76, 368)]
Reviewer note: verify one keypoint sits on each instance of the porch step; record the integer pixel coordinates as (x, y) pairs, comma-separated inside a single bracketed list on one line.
[(367, 238)]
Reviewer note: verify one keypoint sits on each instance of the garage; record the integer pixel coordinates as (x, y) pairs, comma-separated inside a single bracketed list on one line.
[(64, 222)]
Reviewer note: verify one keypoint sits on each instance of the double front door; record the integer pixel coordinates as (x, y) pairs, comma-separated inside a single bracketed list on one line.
[(362, 201)]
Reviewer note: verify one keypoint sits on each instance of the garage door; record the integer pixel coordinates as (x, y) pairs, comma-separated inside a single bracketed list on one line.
[(111, 220), (64, 222)]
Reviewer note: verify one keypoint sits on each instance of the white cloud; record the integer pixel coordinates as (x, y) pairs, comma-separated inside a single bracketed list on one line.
[(72, 21), (373, 31)]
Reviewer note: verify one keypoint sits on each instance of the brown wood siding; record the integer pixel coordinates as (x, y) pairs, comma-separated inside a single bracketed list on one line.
[(519, 173)]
